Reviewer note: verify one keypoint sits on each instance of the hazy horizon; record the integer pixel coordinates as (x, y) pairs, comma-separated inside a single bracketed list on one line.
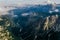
[(20, 2)]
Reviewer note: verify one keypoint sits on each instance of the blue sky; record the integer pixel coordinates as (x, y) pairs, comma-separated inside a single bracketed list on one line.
[(25, 1)]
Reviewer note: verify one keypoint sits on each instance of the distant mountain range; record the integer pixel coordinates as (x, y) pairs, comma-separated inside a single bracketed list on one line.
[(35, 8), (41, 10)]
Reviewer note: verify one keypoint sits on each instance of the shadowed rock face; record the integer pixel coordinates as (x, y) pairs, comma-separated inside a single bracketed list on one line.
[(37, 27), (45, 27)]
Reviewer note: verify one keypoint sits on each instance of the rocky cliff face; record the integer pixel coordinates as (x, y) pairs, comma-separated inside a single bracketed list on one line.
[(34, 27), (50, 21), (38, 28)]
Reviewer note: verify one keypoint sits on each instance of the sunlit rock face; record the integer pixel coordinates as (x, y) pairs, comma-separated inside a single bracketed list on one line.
[(50, 20), (4, 25)]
